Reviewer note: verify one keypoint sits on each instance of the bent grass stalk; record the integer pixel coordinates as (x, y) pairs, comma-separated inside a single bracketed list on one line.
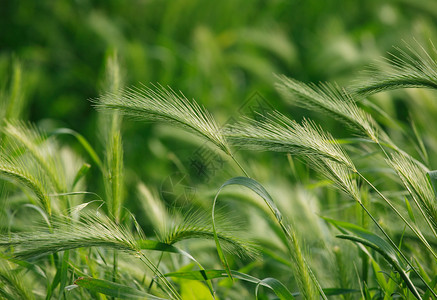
[(278, 133), (304, 276), (164, 104)]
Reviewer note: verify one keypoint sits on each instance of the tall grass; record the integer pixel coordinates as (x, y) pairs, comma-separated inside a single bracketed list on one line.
[(91, 246)]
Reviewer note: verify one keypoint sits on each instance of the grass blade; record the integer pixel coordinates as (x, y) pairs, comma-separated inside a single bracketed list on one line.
[(380, 248), (304, 275), (112, 289), (80, 174), (369, 236), (83, 142), (373, 241), (276, 286)]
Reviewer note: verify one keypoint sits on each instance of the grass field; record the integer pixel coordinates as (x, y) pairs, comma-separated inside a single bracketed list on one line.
[(199, 150)]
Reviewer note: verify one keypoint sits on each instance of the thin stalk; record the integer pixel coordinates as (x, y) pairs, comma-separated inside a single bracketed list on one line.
[(422, 212), (173, 293), (408, 282), (412, 195), (153, 279), (418, 234), (364, 266), (311, 274), (388, 237), (115, 266), (364, 257), (238, 164)]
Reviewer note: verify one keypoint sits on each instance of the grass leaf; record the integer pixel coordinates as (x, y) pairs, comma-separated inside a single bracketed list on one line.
[(304, 276), (369, 236), (113, 289), (80, 174), (276, 286), (388, 255), (83, 142)]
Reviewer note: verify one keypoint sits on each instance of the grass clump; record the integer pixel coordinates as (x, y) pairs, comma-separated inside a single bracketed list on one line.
[(86, 247)]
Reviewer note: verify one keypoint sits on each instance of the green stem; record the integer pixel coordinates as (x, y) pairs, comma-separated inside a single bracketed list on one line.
[(173, 293), (388, 237), (290, 238), (115, 266), (238, 164), (364, 257), (420, 236), (408, 282), (153, 279)]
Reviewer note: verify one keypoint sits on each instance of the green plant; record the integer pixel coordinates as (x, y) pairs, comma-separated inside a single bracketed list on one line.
[(96, 248)]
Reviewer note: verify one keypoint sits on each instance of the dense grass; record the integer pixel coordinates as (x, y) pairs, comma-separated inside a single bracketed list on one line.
[(84, 247), (304, 190)]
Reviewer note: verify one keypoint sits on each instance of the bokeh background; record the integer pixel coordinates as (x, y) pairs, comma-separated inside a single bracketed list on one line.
[(215, 52), (224, 54), (219, 53)]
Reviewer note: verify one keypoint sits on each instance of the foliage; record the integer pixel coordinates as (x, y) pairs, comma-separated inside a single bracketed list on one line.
[(326, 191)]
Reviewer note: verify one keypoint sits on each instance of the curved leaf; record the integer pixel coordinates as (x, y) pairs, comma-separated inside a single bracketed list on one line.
[(275, 285), (280, 290), (261, 191), (368, 236), (381, 249), (85, 144), (112, 289), (258, 189)]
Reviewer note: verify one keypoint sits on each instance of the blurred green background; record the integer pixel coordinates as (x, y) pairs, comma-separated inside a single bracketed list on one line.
[(219, 53)]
